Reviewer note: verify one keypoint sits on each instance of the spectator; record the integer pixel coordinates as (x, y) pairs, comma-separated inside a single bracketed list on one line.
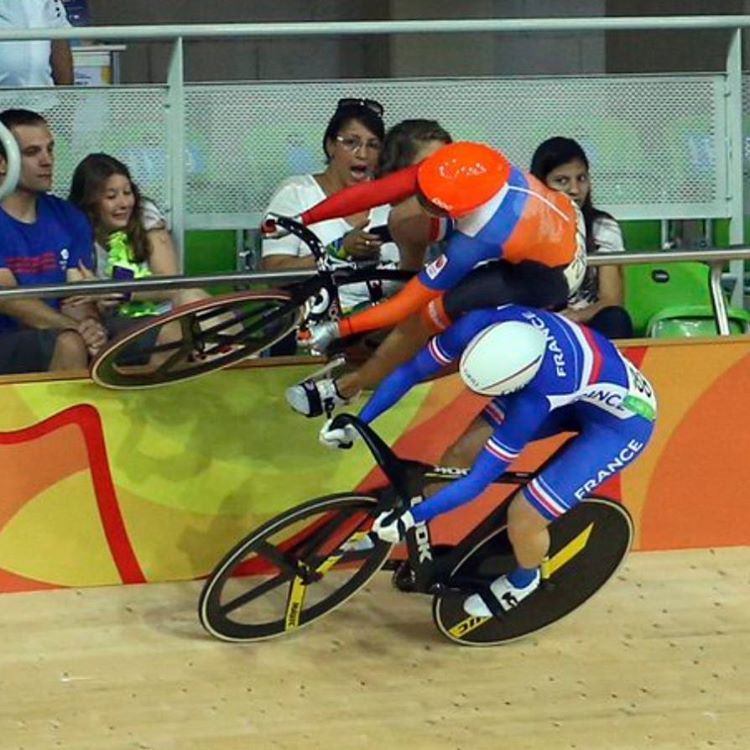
[(562, 165), (406, 143), (131, 238), (39, 62), (352, 143), (410, 141), (43, 240)]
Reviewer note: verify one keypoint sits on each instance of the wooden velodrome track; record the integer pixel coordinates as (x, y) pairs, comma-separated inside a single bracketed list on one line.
[(658, 660)]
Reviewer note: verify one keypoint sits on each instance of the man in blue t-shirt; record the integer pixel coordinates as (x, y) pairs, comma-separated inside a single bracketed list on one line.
[(43, 240)]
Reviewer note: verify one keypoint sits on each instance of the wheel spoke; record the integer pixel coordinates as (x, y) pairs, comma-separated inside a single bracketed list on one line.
[(307, 546), (252, 594)]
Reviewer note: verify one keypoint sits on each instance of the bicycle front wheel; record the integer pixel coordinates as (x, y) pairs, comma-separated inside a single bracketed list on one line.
[(587, 546), (293, 569), (196, 339)]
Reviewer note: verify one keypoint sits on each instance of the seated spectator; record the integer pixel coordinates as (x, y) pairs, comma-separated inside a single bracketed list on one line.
[(131, 239), (352, 143), (43, 240), (39, 62), (562, 165), (406, 143), (410, 141)]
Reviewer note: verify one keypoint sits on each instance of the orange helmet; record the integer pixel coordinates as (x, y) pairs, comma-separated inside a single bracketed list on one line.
[(462, 176)]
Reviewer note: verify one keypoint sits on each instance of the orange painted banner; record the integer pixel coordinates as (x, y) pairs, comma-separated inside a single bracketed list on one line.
[(102, 487)]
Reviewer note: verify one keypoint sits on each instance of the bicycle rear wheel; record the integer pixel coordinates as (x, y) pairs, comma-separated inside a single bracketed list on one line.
[(293, 569), (196, 339), (588, 544)]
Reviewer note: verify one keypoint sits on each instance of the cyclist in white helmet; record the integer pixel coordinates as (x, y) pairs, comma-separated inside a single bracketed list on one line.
[(542, 375)]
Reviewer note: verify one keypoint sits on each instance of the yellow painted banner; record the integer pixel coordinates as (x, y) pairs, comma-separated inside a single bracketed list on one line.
[(102, 487)]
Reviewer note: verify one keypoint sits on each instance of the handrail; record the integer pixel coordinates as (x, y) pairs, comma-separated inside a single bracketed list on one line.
[(348, 28), (714, 257)]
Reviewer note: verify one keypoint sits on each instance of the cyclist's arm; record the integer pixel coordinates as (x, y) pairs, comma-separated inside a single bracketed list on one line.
[(525, 414), (352, 200), (439, 352), (400, 382), (461, 256), (414, 296)]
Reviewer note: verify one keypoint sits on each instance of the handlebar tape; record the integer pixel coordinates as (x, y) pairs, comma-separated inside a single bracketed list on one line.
[(414, 296), (392, 188)]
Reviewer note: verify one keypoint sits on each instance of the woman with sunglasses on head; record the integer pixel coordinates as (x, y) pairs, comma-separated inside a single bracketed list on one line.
[(352, 144), (561, 164)]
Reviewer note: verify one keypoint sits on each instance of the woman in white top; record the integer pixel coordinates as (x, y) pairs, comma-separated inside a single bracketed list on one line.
[(562, 165), (352, 143)]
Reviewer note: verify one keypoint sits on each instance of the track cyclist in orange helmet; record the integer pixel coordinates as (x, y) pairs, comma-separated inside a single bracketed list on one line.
[(511, 240)]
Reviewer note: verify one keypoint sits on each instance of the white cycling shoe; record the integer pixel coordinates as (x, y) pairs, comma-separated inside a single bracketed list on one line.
[(317, 395), (508, 596)]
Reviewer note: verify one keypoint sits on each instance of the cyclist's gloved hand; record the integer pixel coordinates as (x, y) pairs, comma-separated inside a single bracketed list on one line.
[(341, 437), (322, 335), (392, 526)]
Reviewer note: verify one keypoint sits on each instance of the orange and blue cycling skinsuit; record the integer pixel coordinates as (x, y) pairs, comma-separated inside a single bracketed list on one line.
[(525, 221)]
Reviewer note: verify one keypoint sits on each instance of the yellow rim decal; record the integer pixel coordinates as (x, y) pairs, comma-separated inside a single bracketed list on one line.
[(467, 626), (567, 553), (294, 604)]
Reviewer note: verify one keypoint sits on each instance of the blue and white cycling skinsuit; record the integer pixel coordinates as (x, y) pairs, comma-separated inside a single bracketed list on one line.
[(584, 385)]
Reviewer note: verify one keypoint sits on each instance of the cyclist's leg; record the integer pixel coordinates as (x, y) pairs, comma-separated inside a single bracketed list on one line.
[(604, 446)]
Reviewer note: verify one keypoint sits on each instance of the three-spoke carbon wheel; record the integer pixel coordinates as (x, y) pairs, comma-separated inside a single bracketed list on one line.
[(196, 339), (293, 569), (588, 544)]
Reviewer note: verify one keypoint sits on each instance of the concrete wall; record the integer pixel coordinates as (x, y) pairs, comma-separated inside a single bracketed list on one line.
[(498, 54)]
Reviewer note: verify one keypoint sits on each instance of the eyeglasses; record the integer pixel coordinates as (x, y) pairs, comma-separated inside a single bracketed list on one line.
[(352, 143), (370, 104)]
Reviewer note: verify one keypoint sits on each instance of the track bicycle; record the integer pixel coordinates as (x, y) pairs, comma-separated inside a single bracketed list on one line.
[(307, 561), (211, 334)]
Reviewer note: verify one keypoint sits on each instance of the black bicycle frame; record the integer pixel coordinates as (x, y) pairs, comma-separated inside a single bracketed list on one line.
[(408, 480), (326, 284)]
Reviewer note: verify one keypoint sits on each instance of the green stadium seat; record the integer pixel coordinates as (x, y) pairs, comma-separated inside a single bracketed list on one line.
[(680, 322), (674, 300), (211, 251)]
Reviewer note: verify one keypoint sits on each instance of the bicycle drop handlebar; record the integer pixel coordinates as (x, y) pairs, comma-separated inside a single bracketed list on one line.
[(270, 225), (393, 467)]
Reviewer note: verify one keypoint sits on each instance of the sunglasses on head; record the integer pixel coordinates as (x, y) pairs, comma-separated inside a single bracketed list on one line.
[(370, 104)]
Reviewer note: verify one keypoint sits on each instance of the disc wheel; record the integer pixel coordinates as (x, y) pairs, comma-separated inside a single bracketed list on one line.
[(293, 570), (196, 339), (588, 544)]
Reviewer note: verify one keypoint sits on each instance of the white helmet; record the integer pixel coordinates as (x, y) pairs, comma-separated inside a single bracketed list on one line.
[(503, 358)]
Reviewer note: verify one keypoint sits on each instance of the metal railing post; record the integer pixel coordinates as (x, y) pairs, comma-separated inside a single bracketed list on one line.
[(735, 153), (175, 107)]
